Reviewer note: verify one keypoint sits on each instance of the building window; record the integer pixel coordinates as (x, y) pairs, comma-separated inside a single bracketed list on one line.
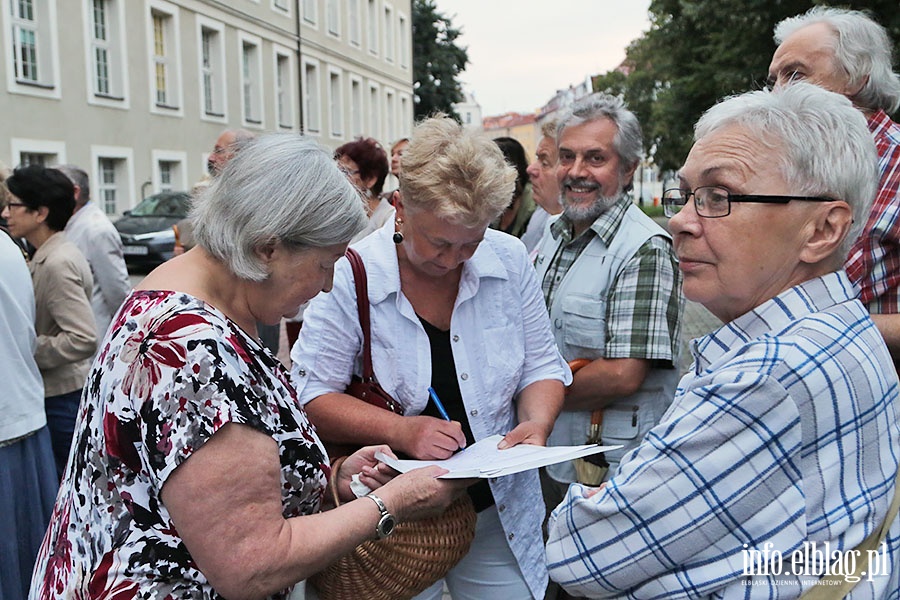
[(212, 101), (373, 26), (403, 41), (391, 120), (31, 47), (283, 88), (356, 107), (335, 104), (37, 152), (374, 112), (333, 17), (353, 23), (311, 107), (35, 158), (100, 42), (280, 5), (165, 66), (107, 188), (405, 115), (251, 82), (167, 170), (309, 11), (389, 40)]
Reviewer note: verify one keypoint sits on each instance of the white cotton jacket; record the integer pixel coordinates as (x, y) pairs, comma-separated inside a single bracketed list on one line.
[(501, 342)]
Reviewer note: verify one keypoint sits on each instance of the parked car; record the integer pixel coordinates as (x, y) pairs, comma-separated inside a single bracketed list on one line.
[(146, 230)]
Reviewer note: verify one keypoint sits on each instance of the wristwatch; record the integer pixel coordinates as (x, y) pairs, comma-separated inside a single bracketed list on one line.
[(387, 521)]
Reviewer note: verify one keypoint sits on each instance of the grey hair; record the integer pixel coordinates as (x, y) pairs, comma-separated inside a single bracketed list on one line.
[(628, 139), (821, 141), (79, 177), (548, 129), (862, 50), (281, 187)]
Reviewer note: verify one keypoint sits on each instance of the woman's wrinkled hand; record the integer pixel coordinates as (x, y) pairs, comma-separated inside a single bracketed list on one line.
[(419, 494), (428, 438)]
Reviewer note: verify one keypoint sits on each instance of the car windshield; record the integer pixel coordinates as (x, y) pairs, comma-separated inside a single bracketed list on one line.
[(163, 205)]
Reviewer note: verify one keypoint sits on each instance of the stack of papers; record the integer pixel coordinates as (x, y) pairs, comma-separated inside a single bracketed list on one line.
[(483, 459)]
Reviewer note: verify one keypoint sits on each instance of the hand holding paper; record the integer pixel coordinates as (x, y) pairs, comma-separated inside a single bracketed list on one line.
[(483, 459)]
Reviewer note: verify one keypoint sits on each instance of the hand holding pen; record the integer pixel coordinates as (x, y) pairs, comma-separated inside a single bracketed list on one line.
[(440, 407)]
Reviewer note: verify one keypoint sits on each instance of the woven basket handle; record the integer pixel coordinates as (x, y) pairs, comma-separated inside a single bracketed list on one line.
[(332, 479)]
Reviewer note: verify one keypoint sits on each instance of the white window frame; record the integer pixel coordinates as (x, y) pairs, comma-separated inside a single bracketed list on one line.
[(374, 105), (373, 16), (357, 125), (406, 115), (336, 103), (218, 71), (390, 42), (403, 40), (253, 89), (126, 200), (312, 100), (333, 18), (354, 25), (174, 156), (285, 99), (174, 105), (18, 146), (46, 30), (310, 13), (117, 56), (390, 114), (282, 6)]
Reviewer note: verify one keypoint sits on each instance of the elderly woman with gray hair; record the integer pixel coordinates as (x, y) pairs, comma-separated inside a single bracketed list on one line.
[(195, 473), (777, 460), (455, 307)]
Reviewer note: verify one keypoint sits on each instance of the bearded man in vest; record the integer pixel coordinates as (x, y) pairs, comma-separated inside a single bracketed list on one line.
[(611, 283)]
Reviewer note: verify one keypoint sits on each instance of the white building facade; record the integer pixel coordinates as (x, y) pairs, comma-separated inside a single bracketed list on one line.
[(136, 91)]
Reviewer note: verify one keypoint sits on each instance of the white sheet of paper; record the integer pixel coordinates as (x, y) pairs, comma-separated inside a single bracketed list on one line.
[(484, 459)]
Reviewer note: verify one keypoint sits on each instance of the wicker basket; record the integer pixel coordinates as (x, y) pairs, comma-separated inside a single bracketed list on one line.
[(416, 555)]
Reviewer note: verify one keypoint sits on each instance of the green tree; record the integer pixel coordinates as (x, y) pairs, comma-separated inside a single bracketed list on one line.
[(698, 51), (437, 60)]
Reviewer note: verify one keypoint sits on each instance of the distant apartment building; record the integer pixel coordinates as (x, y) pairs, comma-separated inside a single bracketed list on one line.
[(136, 91), (522, 128), (469, 111)]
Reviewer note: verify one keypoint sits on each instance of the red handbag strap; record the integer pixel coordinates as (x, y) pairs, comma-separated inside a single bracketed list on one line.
[(362, 307)]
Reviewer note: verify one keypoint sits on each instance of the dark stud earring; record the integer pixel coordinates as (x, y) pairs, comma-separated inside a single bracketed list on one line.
[(398, 238)]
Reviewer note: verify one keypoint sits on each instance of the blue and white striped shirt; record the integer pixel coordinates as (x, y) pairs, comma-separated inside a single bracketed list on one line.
[(786, 432)]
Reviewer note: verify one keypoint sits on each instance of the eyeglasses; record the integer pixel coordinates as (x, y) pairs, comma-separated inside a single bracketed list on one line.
[(713, 202), (11, 204)]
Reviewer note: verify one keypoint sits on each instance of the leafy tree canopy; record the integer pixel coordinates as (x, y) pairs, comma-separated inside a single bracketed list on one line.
[(698, 51), (437, 60)]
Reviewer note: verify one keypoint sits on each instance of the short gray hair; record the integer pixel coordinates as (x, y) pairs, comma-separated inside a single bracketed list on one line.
[(79, 177), (821, 141), (628, 140), (280, 187), (862, 50)]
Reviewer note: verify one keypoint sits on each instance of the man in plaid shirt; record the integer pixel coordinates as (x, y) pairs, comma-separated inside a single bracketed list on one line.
[(847, 52), (611, 284)]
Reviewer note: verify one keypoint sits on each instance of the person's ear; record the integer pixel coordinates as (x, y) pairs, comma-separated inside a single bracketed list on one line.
[(266, 252), (42, 213), (398, 204), (370, 181), (827, 229)]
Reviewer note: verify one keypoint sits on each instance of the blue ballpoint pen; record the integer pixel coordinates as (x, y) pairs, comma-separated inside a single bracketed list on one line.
[(439, 406)]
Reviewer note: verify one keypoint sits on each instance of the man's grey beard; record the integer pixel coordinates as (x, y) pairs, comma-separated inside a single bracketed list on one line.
[(587, 214)]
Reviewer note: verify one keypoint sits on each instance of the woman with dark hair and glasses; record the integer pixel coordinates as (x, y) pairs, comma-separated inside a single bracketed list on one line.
[(366, 164), (41, 203)]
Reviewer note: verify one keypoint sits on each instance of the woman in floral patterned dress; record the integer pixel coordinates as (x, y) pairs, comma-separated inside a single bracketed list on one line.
[(193, 459)]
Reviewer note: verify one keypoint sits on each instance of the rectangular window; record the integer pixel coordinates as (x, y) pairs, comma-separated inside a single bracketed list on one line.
[(389, 40), (372, 13), (250, 80), (211, 50), (168, 175), (25, 40), (374, 112), (207, 71), (164, 51), (309, 11), (356, 107), (107, 185), (35, 158), (160, 58), (333, 17), (405, 115), (311, 106), (336, 104), (353, 23), (281, 4), (37, 152), (283, 89), (391, 120), (100, 42), (403, 41)]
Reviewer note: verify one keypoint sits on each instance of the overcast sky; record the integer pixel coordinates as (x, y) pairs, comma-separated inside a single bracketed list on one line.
[(522, 51)]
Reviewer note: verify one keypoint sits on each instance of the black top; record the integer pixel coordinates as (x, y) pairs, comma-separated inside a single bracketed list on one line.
[(444, 382)]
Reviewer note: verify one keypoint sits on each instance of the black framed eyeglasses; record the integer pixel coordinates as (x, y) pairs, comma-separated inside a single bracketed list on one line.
[(713, 202), (16, 204)]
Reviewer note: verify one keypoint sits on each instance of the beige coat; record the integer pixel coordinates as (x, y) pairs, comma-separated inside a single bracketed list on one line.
[(64, 321)]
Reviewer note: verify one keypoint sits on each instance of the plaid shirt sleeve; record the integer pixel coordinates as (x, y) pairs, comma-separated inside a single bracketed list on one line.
[(674, 519), (645, 305)]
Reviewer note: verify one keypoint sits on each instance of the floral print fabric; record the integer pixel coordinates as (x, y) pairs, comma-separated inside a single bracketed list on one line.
[(171, 372)]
